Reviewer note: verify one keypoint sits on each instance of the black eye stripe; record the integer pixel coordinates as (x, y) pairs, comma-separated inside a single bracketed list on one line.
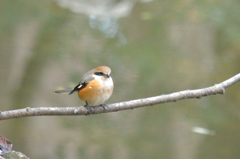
[(99, 73)]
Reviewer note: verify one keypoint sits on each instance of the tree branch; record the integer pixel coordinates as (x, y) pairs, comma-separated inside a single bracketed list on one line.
[(70, 111)]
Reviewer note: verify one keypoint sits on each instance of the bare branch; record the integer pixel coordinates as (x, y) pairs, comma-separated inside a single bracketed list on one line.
[(230, 81), (70, 111)]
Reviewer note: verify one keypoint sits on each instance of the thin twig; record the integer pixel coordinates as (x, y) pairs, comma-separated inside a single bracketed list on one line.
[(70, 111)]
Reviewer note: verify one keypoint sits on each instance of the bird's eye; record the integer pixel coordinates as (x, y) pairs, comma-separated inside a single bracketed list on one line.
[(99, 73)]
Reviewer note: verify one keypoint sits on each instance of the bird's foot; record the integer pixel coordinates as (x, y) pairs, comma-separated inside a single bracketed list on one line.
[(89, 109), (103, 105)]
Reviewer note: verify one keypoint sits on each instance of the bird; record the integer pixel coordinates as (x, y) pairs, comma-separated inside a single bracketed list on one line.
[(95, 87)]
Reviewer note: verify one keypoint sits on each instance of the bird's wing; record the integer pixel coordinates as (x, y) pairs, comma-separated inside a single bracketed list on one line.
[(86, 78)]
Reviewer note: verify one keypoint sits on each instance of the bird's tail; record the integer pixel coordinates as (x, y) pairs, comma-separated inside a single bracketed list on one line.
[(64, 90)]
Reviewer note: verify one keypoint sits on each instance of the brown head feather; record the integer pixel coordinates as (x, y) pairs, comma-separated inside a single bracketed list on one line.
[(104, 69)]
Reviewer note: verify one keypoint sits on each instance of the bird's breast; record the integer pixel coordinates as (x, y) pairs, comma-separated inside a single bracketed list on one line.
[(96, 92)]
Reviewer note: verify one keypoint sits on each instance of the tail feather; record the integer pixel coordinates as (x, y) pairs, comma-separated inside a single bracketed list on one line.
[(64, 90)]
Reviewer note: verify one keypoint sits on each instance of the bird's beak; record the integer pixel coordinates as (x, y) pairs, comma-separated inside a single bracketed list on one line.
[(108, 75)]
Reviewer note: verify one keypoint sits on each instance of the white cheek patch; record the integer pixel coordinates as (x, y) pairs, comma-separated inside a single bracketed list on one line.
[(90, 87)]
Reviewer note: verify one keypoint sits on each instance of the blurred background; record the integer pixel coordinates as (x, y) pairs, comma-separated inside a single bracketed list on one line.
[(153, 47)]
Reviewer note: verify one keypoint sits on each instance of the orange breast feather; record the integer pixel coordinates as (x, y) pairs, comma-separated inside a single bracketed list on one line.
[(90, 92)]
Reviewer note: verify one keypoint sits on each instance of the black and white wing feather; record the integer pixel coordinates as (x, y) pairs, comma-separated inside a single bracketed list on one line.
[(86, 78)]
